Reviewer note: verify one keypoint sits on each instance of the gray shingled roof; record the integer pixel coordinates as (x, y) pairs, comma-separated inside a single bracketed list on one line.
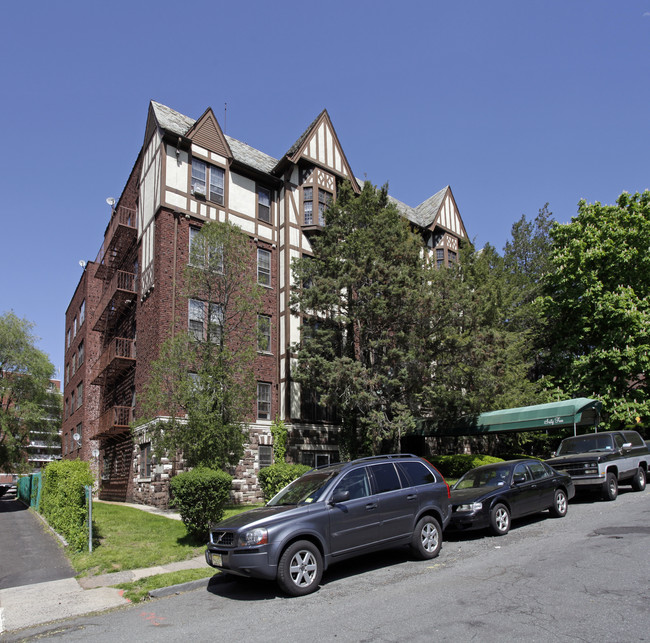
[(177, 123), (423, 215)]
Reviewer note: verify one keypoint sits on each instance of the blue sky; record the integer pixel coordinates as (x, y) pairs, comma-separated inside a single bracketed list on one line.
[(513, 104)]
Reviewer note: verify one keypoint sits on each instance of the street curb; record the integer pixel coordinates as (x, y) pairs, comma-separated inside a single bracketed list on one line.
[(182, 587)]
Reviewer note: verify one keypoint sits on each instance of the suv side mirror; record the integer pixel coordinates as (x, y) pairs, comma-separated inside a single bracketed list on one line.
[(518, 478), (339, 496), (627, 445)]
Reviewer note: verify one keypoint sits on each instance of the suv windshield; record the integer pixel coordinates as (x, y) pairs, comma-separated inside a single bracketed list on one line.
[(304, 490), (586, 443)]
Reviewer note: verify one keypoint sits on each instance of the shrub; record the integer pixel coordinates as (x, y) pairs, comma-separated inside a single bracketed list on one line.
[(274, 478), (454, 466), (63, 499), (200, 496)]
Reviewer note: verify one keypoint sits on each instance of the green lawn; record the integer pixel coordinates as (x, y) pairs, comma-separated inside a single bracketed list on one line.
[(126, 538)]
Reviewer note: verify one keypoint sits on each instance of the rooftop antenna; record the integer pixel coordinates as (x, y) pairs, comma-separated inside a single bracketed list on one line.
[(225, 116)]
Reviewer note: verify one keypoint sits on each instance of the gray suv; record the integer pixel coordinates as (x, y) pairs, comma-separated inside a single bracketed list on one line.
[(333, 513)]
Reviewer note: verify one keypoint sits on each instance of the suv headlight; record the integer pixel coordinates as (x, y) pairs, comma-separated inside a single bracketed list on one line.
[(254, 537), (475, 506)]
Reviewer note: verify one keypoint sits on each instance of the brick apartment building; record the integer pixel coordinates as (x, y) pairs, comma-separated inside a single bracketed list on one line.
[(186, 173)]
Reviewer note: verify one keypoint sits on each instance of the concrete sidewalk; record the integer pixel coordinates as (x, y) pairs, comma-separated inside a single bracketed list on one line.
[(39, 603)]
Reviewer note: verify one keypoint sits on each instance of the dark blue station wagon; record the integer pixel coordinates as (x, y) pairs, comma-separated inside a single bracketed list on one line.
[(333, 513)]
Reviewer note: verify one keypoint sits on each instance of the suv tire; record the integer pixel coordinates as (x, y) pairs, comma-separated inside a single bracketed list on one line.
[(639, 480), (300, 568), (610, 488), (427, 538)]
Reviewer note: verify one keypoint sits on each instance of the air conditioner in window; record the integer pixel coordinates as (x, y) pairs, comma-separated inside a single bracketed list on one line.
[(198, 190)]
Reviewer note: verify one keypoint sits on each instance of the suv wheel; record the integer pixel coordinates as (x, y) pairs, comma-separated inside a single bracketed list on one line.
[(300, 568), (560, 504), (610, 488), (427, 538), (499, 520), (639, 480)]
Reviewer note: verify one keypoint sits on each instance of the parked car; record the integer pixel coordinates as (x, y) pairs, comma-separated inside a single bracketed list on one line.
[(333, 513), (603, 461), (493, 495)]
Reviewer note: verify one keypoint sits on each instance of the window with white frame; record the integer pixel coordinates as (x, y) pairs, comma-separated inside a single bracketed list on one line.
[(263, 204), (74, 325), (74, 364), (145, 460), (263, 401), (264, 333), (263, 267), (69, 338), (80, 354), (207, 181), (196, 319), (82, 312), (215, 322), (214, 259)]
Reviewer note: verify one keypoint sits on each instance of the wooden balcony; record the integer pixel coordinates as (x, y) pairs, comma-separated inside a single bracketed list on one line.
[(118, 294), (121, 232), (117, 358), (114, 421)]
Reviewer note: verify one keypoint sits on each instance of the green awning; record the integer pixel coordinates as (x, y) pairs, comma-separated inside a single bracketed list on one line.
[(570, 413)]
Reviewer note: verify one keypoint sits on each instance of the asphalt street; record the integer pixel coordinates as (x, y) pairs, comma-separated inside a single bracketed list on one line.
[(580, 578)]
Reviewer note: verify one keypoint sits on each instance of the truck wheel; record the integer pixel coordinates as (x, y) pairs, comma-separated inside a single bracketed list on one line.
[(560, 504), (610, 488), (499, 520), (300, 568), (638, 482)]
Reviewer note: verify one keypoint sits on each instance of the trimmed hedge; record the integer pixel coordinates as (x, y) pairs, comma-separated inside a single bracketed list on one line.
[(63, 499), (200, 496), (276, 477), (454, 466)]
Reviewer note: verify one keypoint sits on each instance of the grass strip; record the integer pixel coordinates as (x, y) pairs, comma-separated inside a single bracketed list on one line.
[(138, 590)]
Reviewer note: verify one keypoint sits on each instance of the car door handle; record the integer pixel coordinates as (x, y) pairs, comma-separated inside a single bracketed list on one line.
[(371, 505), (411, 496)]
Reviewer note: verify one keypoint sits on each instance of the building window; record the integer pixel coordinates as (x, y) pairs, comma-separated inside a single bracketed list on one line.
[(74, 364), (263, 401), (324, 201), (264, 204), (213, 262), (74, 326), (67, 407), (308, 205), (452, 257), (265, 455), (69, 338), (78, 433), (82, 313), (440, 256), (263, 267), (264, 333), (80, 354), (80, 394), (195, 321), (207, 181), (72, 406), (67, 373), (145, 460)]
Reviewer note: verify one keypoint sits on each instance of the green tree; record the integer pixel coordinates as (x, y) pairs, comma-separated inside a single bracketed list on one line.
[(361, 301), (27, 402), (203, 381), (597, 305)]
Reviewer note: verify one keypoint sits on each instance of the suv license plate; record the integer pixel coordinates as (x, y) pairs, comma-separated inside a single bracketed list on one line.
[(216, 560)]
